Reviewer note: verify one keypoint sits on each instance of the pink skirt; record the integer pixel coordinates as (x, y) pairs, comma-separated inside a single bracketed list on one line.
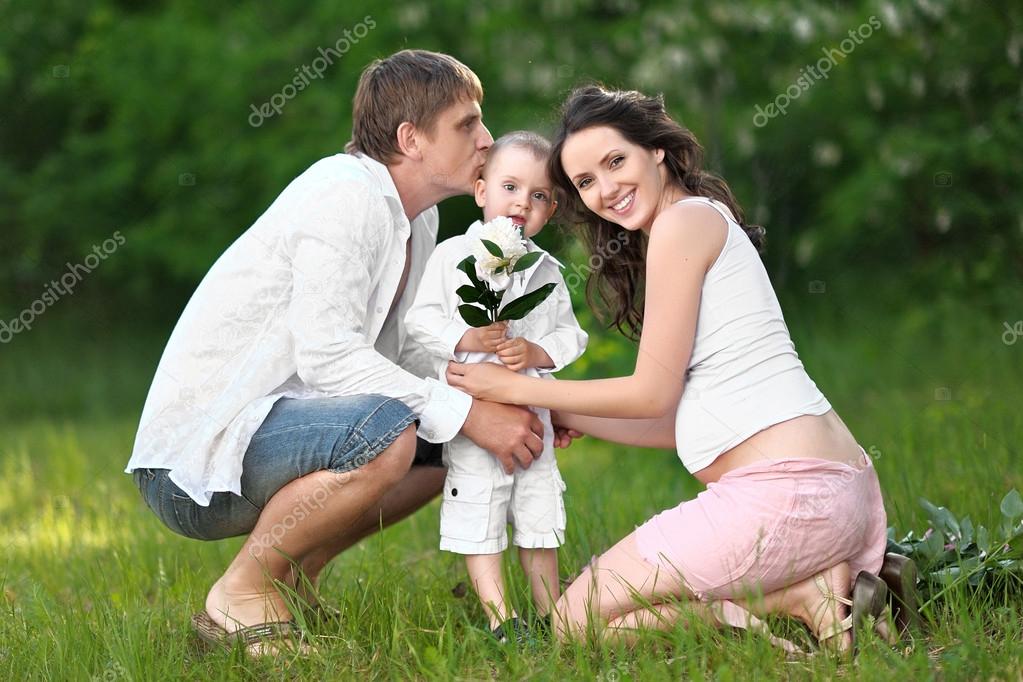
[(770, 524)]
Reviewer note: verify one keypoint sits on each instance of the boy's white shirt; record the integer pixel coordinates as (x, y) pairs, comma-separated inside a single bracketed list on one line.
[(296, 307), (434, 322)]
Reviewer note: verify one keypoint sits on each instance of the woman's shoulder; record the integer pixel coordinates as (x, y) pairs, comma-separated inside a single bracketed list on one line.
[(694, 229)]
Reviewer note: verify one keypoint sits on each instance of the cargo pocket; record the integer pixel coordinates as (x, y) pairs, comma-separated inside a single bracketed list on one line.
[(465, 513), (562, 517)]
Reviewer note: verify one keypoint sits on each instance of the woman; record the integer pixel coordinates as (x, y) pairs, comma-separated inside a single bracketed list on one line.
[(793, 508)]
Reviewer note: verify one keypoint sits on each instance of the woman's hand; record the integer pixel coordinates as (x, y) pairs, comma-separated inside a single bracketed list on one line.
[(563, 437), (563, 433), (483, 380)]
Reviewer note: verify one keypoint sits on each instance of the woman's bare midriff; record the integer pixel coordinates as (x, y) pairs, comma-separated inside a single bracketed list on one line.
[(822, 436)]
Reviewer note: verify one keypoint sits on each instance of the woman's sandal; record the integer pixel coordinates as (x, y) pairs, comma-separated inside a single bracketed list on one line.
[(869, 605), (282, 635), (731, 614), (900, 574)]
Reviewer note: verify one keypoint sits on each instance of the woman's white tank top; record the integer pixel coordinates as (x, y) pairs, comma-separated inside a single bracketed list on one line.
[(744, 374)]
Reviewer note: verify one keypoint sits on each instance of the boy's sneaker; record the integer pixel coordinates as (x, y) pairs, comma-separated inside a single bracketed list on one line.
[(513, 630), (542, 625)]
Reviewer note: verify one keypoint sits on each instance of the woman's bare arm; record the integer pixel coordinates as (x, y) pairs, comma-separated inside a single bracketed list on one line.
[(684, 242), (644, 433)]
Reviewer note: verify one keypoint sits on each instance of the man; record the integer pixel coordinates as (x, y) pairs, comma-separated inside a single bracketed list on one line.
[(288, 400)]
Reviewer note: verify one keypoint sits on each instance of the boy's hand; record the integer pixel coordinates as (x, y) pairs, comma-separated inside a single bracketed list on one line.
[(518, 354), (483, 339)]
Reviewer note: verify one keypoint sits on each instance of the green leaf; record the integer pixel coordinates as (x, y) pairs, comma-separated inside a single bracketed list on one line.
[(468, 266), (493, 248), (468, 294), (942, 519), (474, 316), (523, 305), (1012, 505), (527, 261), (983, 539), (966, 538), (931, 548), (491, 299), (947, 576)]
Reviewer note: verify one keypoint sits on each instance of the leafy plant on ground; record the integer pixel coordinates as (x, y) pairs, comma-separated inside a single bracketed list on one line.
[(954, 554)]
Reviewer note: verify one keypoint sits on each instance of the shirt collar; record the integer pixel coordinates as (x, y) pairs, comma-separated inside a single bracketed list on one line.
[(381, 173), (390, 191)]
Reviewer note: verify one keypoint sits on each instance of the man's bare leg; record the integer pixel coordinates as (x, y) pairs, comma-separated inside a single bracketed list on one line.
[(420, 485), (298, 519)]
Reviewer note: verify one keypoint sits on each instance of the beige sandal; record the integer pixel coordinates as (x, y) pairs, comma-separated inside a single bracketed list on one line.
[(731, 614), (869, 606), (284, 635)]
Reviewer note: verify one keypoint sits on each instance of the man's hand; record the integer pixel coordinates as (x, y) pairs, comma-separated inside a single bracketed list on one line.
[(512, 434), (518, 354), (483, 339)]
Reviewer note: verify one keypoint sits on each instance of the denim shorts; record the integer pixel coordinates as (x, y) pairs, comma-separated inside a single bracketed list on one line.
[(298, 437)]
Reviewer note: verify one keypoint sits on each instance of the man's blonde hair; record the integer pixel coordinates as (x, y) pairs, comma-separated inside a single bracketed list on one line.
[(411, 85)]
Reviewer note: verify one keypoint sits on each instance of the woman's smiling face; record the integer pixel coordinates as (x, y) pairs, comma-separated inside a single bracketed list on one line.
[(616, 179)]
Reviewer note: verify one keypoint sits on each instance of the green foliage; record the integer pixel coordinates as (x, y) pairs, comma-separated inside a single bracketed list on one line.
[(140, 119), (953, 554), (527, 261), (474, 316), (525, 304)]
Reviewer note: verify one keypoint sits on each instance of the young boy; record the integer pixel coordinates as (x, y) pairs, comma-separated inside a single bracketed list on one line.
[(480, 498)]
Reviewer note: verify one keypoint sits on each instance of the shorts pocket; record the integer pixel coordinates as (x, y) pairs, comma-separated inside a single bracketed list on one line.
[(559, 483), (465, 513)]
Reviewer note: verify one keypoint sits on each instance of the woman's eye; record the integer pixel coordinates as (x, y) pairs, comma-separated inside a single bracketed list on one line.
[(583, 183), (617, 161)]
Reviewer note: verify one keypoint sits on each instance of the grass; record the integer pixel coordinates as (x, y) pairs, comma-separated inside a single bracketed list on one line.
[(93, 586)]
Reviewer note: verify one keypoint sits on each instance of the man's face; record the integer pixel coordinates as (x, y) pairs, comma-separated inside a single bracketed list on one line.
[(454, 153)]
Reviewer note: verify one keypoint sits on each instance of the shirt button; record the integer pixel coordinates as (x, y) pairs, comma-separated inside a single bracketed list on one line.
[(454, 492), (379, 309)]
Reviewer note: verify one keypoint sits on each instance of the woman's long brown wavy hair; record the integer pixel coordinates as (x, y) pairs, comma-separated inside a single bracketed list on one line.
[(617, 257)]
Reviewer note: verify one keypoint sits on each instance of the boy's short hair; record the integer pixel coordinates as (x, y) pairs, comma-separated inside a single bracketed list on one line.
[(411, 85), (538, 145)]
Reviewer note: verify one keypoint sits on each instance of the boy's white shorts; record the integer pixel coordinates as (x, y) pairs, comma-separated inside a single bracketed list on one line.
[(480, 500)]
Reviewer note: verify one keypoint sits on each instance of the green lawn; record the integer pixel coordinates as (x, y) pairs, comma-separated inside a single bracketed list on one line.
[(93, 586)]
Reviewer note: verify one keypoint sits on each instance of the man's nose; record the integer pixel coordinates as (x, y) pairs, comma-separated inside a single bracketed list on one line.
[(485, 140)]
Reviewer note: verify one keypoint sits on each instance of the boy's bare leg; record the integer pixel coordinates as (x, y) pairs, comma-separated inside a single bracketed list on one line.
[(541, 567), (488, 581)]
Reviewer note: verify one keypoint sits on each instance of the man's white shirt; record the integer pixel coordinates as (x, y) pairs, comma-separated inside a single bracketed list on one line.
[(298, 306)]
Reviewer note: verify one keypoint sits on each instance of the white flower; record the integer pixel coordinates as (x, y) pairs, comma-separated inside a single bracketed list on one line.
[(491, 269)]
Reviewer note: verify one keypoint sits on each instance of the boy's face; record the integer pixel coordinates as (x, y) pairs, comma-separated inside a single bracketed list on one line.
[(455, 151), (516, 185)]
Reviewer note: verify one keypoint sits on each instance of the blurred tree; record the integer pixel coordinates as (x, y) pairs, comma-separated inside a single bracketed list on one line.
[(139, 118)]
